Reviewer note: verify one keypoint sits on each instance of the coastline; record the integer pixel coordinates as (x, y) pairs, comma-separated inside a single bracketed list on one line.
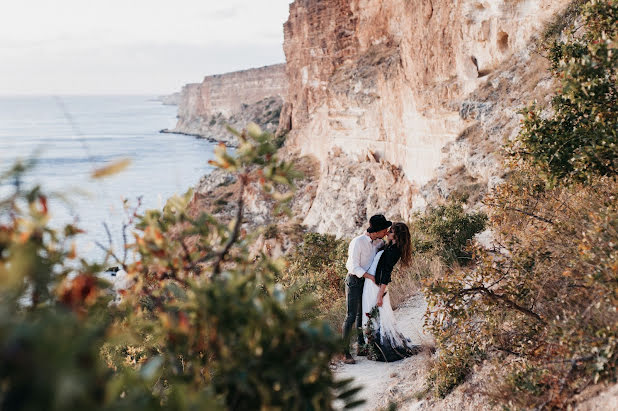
[(199, 136)]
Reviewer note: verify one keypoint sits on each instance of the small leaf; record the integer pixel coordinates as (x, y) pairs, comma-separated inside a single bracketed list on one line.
[(350, 393), (354, 404), (254, 130), (113, 168)]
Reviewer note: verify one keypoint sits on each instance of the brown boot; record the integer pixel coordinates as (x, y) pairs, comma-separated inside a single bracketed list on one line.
[(349, 359), (362, 351)]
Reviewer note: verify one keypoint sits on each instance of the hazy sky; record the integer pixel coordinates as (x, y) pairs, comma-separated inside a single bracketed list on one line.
[(132, 46)]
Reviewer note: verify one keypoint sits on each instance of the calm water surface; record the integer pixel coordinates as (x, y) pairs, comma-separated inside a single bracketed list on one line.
[(104, 129)]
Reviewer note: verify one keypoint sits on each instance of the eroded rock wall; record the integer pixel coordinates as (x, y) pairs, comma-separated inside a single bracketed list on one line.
[(430, 87), (205, 108), (226, 93)]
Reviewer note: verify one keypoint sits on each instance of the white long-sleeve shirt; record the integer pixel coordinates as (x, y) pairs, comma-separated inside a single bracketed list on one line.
[(360, 254)]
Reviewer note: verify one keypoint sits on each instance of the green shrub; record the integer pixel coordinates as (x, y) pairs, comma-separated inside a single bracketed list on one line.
[(271, 231), (579, 139), (321, 251), (451, 367), (280, 140), (221, 322), (524, 382), (447, 230), (317, 269)]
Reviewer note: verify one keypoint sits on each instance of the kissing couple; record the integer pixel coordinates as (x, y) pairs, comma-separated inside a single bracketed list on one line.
[(370, 264)]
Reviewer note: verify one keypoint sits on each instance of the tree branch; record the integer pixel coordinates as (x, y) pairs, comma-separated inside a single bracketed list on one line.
[(514, 305), (243, 183), (529, 214), (125, 246), (506, 350), (498, 297), (111, 253), (186, 251)]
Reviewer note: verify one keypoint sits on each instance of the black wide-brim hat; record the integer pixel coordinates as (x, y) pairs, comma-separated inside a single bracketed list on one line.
[(378, 223)]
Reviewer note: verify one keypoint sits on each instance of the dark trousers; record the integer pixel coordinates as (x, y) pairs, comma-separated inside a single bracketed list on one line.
[(354, 301)]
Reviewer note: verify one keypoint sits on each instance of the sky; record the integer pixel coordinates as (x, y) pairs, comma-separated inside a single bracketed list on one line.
[(132, 46)]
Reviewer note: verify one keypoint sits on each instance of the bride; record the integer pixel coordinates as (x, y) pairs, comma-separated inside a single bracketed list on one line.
[(384, 341)]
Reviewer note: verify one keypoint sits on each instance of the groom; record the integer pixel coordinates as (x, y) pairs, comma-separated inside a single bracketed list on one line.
[(361, 251)]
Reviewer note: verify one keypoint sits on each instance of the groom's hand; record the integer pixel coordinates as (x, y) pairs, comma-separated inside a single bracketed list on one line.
[(369, 276)]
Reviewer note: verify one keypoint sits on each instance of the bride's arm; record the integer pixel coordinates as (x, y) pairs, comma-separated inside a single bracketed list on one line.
[(381, 294)]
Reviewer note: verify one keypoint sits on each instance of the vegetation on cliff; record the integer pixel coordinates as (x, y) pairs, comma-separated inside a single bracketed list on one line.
[(446, 230), (316, 268), (578, 141), (542, 303)]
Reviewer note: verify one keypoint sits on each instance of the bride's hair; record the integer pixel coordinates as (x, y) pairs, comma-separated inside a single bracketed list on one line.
[(402, 238)]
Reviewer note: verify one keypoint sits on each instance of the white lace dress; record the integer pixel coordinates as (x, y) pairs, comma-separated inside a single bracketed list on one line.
[(384, 341)]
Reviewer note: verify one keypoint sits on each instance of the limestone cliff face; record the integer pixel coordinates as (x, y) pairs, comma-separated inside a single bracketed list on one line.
[(430, 87), (236, 98)]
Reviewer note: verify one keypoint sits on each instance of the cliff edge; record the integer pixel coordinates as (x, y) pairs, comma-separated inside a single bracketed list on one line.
[(235, 99)]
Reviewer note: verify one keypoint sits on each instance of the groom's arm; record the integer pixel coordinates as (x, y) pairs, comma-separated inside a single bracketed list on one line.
[(353, 264)]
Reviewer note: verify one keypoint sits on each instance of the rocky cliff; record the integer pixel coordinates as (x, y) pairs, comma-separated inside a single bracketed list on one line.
[(427, 89), (170, 99), (206, 108)]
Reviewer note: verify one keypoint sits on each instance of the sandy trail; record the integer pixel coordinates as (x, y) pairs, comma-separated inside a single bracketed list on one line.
[(385, 382)]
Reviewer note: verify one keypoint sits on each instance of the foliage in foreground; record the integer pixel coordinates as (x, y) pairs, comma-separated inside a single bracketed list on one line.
[(204, 327), (542, 303)]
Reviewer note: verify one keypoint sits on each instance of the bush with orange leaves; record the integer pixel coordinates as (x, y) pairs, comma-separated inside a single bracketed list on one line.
[(204, 327), (542, 302)]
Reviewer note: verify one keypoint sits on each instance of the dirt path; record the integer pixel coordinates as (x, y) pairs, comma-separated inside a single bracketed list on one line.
[(386, 382)]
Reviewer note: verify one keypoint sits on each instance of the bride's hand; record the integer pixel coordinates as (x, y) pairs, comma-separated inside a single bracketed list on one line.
[(379, 304)]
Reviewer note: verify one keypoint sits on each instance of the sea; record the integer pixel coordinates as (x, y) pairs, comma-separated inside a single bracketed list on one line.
[(69, 137)]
